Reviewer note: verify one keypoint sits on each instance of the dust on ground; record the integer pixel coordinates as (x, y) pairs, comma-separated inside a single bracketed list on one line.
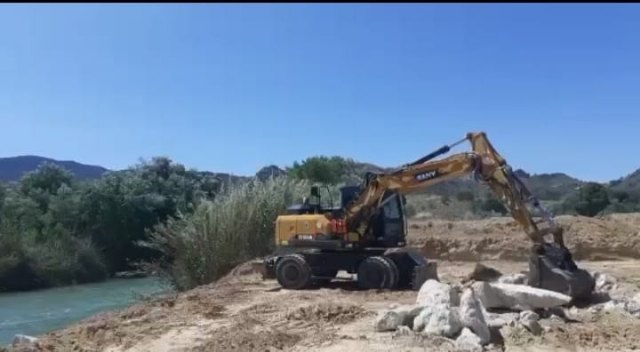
[(242, 312)]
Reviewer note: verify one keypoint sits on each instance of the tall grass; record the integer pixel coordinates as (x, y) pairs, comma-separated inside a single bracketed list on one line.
[(237, 225)]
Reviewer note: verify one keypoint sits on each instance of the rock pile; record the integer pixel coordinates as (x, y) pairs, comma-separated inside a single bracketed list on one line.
[(461, 313)]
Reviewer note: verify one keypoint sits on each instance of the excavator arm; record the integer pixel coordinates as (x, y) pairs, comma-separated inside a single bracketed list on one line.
[(484, 162), (550, 266)]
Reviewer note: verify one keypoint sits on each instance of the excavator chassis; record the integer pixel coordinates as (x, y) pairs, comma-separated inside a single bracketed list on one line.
[(376, 268)]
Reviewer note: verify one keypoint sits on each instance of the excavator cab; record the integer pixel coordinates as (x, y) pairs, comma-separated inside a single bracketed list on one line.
[(388, 227)]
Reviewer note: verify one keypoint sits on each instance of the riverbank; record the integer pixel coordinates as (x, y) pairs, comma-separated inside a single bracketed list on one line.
[(41, 311)]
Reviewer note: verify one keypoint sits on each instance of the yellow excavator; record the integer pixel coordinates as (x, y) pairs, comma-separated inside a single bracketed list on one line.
[(365, 235)]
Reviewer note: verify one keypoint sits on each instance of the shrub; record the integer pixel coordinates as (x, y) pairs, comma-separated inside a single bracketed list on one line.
[(592, 199), (234, 227)]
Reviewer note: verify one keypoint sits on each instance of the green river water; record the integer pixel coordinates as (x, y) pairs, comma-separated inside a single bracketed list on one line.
[(37, 312)]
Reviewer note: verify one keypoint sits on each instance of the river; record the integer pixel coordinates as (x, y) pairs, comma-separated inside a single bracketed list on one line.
[(40, 311)]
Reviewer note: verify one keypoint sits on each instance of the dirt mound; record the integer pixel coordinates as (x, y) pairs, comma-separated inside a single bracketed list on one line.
[(610, 237), (328, 313), (239, 338)]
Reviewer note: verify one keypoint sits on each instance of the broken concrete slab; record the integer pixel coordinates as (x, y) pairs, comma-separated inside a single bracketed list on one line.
[(517, 297), (433, 292), (468, 342), (471, 315)]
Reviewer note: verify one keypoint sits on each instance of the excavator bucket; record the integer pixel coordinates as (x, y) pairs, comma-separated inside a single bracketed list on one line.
[(551, 267)]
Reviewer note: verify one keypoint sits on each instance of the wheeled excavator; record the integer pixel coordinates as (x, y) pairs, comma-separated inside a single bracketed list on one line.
[(365, 235)]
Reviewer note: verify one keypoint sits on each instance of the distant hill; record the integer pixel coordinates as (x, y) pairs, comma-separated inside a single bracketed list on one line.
[(629, 183), (13, 168)]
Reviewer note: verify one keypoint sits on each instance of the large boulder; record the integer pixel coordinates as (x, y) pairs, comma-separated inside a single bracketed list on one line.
[(438, 319), (468, 342), (517, 297), (472, 317), (433, 292)]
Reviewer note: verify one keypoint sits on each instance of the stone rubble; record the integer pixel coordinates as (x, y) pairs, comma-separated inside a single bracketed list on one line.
[(472, 316), (530, 320), (439, 319), (469, 312), (468, 342)]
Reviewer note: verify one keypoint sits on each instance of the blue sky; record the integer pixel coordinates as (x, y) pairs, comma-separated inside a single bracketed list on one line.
[(236, 87)]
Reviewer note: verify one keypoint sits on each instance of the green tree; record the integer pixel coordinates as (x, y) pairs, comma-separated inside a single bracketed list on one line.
[(48, 177), (592, 199), (322, 169)]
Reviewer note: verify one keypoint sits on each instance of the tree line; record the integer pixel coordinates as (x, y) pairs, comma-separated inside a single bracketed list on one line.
[(55, 230), (187, 225)]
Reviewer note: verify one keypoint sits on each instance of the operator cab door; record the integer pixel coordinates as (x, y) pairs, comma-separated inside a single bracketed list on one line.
[(390, 229)]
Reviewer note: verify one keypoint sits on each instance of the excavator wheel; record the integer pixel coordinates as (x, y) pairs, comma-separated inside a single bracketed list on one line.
[(376, 273), (395, 277), (293, 272)]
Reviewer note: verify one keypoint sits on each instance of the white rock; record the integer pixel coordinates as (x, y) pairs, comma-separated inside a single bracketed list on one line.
[(468, 342), (637, 297), (438, 320), (433, 292), (517, 297), (20, 339), (472, 317), (628, 306), (530, 320), (520, 279)]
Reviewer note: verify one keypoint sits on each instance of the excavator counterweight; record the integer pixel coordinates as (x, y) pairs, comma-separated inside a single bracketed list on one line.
[(366, 234)]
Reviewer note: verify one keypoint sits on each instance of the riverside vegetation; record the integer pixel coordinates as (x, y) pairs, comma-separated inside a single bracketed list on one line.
[(192, 227)]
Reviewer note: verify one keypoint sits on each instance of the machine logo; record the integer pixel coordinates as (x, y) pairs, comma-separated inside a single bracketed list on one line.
[(423, 176)]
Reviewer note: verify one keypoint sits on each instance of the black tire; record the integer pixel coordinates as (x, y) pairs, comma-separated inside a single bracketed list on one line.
[(375, 273), (395, 273), (293, 272)]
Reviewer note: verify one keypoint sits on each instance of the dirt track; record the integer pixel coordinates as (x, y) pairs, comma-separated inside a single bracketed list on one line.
[(243, 313)]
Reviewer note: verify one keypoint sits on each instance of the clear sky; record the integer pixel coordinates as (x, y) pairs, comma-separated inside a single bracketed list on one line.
[(235, 87)]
